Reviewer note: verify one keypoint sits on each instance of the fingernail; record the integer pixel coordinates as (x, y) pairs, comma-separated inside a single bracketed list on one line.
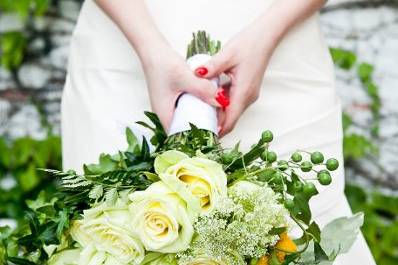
[(222, 99), (201, 71)]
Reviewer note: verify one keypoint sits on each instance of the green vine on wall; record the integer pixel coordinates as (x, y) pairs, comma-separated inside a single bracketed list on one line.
[(356, 145), (19, 161)]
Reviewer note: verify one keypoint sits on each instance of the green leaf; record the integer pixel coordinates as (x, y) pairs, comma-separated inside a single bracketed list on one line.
[(106, 163), (111, 196), (20, 261), (145, 152), (320, 254), (63, 222), (339, 235), (96, 192), (48, 234), (5, 154), (301, 208), (356, 146), (314, 230), (28, 179), (365, 71), (132, 141), (12, 45), (343, 58)]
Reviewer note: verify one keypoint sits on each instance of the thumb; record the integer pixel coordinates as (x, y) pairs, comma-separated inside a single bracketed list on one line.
[(205, 90), (217, 65)]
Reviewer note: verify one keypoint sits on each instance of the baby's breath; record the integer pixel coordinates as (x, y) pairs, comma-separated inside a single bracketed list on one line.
[(238, 227)]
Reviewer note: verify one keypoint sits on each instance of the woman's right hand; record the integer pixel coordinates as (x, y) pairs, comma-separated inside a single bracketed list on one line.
[(168, 76)]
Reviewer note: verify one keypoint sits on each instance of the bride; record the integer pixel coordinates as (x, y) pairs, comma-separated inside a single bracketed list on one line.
[(281, 79)]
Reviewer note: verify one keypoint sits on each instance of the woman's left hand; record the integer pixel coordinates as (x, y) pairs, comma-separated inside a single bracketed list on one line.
[(244, 59)]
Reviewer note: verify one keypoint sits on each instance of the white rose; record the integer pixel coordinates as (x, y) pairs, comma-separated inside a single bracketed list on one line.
[(65, 257), (199, 181), (160, 219), (107, 230)]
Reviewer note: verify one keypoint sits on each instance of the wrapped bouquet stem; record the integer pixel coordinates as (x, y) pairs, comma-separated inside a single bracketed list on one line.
[(189, 202)]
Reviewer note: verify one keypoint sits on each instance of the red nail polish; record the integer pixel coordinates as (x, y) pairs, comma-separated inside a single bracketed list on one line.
[(222, 99), (201, 71)]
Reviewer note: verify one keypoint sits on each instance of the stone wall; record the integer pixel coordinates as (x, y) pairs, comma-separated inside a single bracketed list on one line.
[(29, 97)]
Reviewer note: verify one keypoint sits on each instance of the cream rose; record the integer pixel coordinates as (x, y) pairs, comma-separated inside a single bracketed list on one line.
[(106, 229), (160, 219), (199, 181)]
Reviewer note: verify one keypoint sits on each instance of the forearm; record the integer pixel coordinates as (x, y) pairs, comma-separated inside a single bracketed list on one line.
[(134, 20), (285, 14)]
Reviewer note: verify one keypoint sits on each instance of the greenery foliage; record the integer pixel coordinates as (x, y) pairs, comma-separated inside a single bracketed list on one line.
[(20, 158), (19, 161), (381, 222)]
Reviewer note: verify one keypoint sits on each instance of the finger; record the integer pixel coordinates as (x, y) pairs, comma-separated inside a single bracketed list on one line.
[(231, 117), (203, 89), (236, 108), (165, 110), (218, 64), (221, 115)]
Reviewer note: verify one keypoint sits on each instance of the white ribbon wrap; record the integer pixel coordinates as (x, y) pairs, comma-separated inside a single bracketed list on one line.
[(191, 109)]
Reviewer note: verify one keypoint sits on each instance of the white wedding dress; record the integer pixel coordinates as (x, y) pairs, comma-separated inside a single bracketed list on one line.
[(105, 91)]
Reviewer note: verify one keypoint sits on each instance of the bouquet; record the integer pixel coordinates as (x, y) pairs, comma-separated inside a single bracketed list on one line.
[(187, 200)]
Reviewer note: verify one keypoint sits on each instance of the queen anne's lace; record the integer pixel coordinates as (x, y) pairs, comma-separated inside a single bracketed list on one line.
[(238, 227)]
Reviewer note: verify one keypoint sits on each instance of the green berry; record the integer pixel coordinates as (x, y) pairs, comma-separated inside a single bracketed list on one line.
[(267, 136), (269, 156), (297, 186), (317, 157), (332, 164), (289, 203), (283, 165), (277, 178), (324, 177), (309, 188), (296, 157), (306, 166)]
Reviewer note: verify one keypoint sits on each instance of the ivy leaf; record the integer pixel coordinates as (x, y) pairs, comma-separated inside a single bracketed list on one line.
[(48, 234), (314, 230), (365, 71), (106, 163), (301, 208), (343, 58), (356, 146)]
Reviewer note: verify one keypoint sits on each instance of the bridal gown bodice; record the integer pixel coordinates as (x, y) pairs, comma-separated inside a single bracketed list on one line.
[(106, 91)]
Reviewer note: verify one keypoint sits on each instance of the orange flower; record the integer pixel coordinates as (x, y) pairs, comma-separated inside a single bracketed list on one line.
[(284, 244), (264, 260)]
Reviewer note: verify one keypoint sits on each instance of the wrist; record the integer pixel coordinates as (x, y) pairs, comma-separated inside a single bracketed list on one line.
[(152, 52)]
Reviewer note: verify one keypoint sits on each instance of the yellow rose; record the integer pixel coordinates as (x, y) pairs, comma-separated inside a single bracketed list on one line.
[(199, 181), (106, 229), (160, 219)]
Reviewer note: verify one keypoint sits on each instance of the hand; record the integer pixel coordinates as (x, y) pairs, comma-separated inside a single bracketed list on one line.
[(168, 76), (244, 59)]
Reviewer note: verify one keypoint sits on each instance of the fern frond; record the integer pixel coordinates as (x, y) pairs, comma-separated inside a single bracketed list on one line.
[(111, 196), (96, 192)]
